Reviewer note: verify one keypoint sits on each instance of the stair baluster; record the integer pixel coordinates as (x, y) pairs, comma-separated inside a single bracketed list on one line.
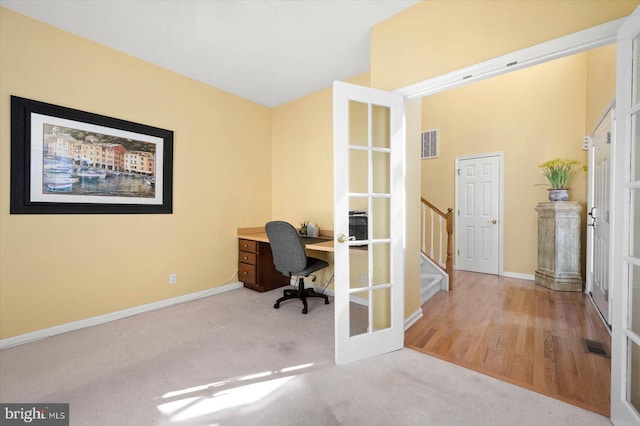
[(433, 252)]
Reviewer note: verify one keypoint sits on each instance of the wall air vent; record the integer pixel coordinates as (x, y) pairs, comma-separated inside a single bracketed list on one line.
[(429, 148)]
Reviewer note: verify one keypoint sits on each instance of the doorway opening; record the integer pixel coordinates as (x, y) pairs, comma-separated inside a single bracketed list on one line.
[(529, 116)]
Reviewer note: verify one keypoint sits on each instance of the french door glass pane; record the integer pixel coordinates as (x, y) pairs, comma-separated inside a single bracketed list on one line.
[(636, 71), (358, 171), (359, 204), (358, 279), (635, 223), (381, 299), (358, 123), (634, 299), (359, 314), (378, 301), (381, 258), (381, 176), (381, 210), (358, 269), (634, 375), (635, 149), (381, 136)]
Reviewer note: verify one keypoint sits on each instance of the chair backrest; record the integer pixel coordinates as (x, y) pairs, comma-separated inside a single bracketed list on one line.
[(288, 251)]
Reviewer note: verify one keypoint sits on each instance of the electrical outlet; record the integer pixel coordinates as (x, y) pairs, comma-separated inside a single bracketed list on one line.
[(363, 279), (173, 278)]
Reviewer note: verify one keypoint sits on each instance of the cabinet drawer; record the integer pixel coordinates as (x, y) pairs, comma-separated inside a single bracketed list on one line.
[(246, 257), (248, 245), (246, 273)]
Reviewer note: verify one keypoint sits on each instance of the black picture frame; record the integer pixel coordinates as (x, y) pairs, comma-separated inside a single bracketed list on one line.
[(55, 173)]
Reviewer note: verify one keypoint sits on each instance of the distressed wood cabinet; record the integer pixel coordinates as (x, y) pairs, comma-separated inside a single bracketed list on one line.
[(559, 246)]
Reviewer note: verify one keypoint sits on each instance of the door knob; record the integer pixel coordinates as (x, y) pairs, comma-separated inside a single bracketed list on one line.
[(342, 238), (494, 221)]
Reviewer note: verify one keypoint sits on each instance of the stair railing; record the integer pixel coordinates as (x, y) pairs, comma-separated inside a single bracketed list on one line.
[(435, 223)]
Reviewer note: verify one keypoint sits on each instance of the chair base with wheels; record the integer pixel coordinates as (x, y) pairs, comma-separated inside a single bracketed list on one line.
[(302, 294), (290, 258)]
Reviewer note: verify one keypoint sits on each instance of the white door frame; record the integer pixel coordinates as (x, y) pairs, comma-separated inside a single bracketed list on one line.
[(622, 412), (500, 156), (591, 38), (584, 40), (571, 44), (581, 41), (590, 202)]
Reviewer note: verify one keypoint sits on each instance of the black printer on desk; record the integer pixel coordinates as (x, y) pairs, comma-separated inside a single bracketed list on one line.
[(358, 224)]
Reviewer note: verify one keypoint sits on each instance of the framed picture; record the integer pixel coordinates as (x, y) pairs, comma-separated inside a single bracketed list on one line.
[(68, 161)]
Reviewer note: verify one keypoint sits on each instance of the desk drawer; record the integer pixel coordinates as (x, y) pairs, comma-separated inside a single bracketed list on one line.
[(246, 257), (247, 273), (248, 245)]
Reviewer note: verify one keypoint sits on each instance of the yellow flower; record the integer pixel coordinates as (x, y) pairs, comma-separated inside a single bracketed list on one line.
[(558, 171)]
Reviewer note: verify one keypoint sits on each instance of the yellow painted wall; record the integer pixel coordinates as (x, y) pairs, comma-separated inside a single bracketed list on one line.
[(438, 36), (47, 274), (532, 115), (601, 84), (56, 269), (302, 164), (413, 122), (302, 160), (405, 50)]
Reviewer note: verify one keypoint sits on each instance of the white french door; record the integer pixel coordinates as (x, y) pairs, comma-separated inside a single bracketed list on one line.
[(625, 230), (369, 177), (478, 206), (599, 216)]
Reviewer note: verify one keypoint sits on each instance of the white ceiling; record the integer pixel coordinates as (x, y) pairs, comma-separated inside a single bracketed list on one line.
[(267, 51)]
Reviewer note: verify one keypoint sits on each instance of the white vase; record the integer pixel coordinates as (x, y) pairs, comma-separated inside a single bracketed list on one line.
[(558, 194)]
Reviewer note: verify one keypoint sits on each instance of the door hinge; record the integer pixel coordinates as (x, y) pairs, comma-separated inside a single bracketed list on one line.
[(458, 252), (458, 172)]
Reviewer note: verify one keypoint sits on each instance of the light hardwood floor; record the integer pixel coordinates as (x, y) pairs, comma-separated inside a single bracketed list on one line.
[(521, 333)]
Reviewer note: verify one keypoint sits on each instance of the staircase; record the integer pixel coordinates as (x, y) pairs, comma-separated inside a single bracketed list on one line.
[(432, 279), (436, 244)]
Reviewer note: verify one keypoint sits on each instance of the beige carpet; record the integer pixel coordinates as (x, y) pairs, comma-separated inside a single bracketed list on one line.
[(231, 359)]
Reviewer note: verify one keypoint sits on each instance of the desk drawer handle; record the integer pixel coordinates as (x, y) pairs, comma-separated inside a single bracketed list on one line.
[(244, 245), (245, 258), (244, 273)]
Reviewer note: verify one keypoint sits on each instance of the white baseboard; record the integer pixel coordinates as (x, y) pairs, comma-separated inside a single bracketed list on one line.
[(101, 319), (320, 289), (519, 276), (444, 286), (329, 292), (408, 322), (426, 294)]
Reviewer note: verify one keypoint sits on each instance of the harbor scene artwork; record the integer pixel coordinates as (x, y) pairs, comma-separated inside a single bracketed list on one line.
[(77, 162), (68, 161)]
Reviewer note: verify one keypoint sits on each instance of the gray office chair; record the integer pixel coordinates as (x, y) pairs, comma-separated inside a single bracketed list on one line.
[(290, 258)]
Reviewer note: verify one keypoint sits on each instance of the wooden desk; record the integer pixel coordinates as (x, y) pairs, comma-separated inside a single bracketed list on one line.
[(255, 260), (262, 237)]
